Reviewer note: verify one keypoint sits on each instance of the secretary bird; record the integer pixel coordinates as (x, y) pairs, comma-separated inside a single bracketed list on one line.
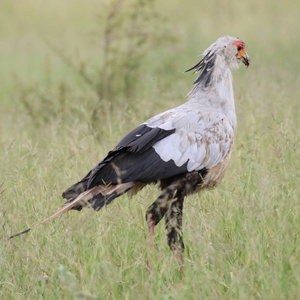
[(184, 149)]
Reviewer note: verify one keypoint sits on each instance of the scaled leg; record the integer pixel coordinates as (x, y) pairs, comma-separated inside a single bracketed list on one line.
[(155, 213)]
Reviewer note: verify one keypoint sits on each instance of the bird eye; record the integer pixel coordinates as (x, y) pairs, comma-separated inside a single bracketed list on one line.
[(240, 47)]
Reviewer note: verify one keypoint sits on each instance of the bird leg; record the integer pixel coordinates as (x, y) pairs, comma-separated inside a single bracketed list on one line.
[(155, 213), (151, 225), (174, 229), (173, 216), (164, 206)]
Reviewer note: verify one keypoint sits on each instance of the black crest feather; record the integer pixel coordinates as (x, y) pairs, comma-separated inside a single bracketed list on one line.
[(205, 67)]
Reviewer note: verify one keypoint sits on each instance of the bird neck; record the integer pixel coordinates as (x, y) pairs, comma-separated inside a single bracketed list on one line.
[(218, 95)]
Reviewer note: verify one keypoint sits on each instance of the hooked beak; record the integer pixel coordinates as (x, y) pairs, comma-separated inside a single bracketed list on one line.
[(245, 59)]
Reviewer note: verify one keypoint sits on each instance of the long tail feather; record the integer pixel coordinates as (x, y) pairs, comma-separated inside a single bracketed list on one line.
[(20, 233), (105, 192), (62, 210)]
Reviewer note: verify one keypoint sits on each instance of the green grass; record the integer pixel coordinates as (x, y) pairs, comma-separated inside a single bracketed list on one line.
[(242, 239)]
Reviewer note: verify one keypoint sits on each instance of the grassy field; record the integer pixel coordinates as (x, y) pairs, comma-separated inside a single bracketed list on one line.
[(75, 77)]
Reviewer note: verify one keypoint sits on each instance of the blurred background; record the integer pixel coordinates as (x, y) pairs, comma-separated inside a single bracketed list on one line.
[(76, 76), (98, 56)]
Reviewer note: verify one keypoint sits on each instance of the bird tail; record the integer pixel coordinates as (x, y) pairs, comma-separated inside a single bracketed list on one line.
[(96, 198)]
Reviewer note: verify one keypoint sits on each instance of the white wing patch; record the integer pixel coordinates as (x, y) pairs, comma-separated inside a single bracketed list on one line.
[(201, 139)]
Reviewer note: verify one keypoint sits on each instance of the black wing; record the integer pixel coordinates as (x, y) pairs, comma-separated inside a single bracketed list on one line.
[(133, 160)]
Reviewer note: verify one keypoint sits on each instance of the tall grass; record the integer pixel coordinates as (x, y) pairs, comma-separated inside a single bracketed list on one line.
[(76, 77)]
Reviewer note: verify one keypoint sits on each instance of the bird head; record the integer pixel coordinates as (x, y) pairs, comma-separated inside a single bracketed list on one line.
[(233, 50), (226, 51)]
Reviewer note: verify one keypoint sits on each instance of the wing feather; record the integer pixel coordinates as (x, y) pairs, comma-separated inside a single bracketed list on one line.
[(202, 140)]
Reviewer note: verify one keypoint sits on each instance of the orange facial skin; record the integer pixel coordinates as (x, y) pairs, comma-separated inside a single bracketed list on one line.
[(242, 54)]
